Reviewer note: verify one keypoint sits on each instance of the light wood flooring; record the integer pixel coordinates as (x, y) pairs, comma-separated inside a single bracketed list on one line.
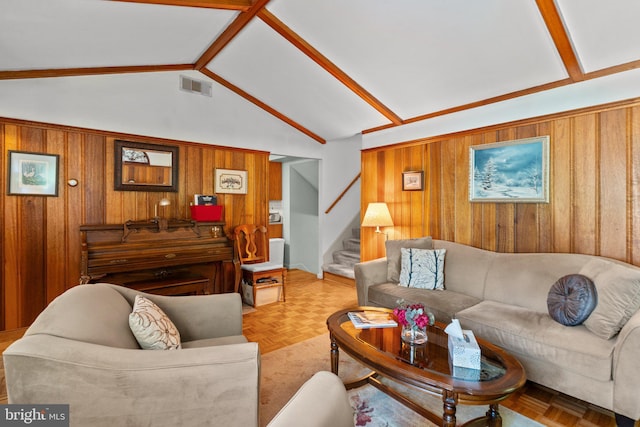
[(310, 301)]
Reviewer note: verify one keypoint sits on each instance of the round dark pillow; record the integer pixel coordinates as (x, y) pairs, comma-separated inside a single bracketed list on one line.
[(572, 299)]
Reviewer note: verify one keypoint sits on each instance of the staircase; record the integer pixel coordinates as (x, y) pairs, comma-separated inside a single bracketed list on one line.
[(341, 269)]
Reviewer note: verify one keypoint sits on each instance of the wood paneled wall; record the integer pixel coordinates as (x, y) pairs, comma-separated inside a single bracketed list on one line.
[(40, 248), (594, 189)]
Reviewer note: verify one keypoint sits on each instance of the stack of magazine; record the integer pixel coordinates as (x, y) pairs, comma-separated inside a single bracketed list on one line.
[(371, 319)]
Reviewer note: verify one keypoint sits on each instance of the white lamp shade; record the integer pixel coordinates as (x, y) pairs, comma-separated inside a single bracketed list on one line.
[(377, 215)]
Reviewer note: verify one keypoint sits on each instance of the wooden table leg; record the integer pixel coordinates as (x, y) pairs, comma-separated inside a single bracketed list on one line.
[(494, 419), (335, 355), (449, 400)]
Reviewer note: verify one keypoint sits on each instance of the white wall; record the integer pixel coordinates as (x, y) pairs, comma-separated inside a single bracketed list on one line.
[(300, 202), (340, 164)]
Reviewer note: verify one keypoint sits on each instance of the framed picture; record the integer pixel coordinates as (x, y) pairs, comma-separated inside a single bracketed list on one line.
[(231, 181), (204, 199), (145, 167), (33, 174), (412, 180), (512, 171)]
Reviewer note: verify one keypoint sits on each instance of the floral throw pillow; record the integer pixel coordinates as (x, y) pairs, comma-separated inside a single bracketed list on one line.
[(152, 327), (422, 268)]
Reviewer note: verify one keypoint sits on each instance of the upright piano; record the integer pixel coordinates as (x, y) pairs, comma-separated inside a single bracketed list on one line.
[(167, 257)]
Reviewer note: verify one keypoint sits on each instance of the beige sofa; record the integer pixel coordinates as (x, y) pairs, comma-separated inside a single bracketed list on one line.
[(503, 298), (81, 351)]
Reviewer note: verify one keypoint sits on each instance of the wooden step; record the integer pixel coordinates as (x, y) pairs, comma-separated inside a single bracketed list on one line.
[(339, 279)]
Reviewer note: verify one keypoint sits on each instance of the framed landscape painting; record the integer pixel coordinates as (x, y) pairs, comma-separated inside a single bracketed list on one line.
[(512, 171)]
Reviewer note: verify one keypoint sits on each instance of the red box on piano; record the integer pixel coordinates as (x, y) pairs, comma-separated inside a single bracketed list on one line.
[(206, 212)]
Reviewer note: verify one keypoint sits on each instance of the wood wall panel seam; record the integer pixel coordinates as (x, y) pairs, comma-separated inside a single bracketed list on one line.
[(629, 195)]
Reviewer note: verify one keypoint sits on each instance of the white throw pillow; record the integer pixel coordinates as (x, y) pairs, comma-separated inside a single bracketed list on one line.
[(422, 268), (152, 327), (394, 254)]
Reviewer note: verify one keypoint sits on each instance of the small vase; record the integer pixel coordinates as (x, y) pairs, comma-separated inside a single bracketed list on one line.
[(414, 335)]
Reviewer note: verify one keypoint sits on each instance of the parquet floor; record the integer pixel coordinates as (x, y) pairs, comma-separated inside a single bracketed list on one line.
[(310, 301), (303, 315)]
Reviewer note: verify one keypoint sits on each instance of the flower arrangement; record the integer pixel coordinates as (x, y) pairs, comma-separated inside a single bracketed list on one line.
[(413, 316)]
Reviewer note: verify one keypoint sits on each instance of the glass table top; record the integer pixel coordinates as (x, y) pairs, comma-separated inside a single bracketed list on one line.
[(432, 356)]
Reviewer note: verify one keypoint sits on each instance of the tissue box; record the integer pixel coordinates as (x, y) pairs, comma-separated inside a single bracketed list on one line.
[(464, 354), (466, 374)]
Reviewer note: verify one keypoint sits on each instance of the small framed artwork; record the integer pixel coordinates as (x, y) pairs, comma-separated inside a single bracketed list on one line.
[(33, 174), (511, 172), (412, 180), (231, 181)]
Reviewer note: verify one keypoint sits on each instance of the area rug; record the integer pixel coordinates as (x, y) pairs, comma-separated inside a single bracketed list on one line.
[(285, 370)]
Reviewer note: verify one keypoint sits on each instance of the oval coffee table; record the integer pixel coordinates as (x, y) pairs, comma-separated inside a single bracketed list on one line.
[(427, 368)]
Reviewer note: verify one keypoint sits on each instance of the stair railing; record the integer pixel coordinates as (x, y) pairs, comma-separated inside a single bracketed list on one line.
[(343, 193)]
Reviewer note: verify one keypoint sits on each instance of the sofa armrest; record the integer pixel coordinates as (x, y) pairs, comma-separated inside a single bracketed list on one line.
[(196, 316), (369, 273), (107, 386), (626, 376), (321, 401)]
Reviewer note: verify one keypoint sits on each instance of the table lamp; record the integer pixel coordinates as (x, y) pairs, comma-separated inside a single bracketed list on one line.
[(377, 215)]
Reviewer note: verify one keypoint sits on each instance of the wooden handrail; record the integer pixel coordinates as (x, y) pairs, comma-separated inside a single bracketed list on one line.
[(343, 193)]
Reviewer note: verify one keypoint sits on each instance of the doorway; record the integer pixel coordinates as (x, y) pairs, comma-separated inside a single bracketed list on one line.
[(300, 212)]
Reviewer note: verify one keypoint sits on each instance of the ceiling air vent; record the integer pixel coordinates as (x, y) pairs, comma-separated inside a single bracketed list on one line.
[(195, 86)]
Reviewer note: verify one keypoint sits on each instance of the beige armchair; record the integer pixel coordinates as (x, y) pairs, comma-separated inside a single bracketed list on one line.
[(80, 351), (321, 402)]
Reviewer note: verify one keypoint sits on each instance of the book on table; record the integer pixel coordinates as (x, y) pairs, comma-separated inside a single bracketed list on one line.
[(371, 319)]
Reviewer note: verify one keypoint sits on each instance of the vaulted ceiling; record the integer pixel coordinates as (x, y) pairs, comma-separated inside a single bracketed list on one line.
[(328, 69)]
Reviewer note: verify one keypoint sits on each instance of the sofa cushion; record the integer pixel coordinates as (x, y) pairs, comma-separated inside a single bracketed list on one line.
[(572, 299), (535, 334), (422, 268), (443, 304), (88, 313), (152, 327), (618, 296), (394, 255), (470, 279), (531, 274)]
